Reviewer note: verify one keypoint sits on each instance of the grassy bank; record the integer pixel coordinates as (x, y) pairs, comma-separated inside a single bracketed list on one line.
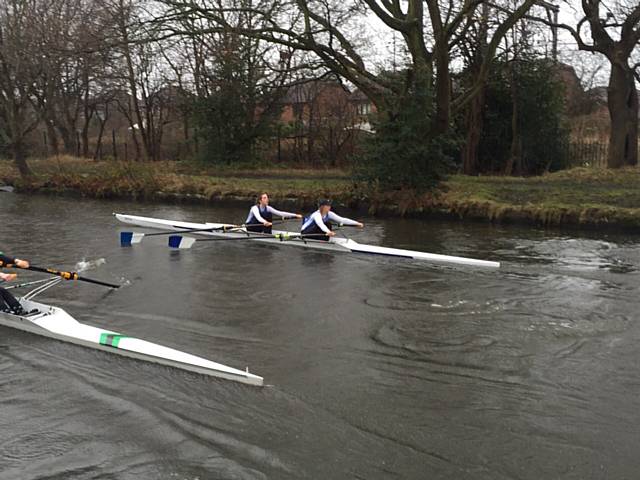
[(579, 197), (177, 181)]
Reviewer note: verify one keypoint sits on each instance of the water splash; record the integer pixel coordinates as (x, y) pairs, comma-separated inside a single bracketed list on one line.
[(84, 265)]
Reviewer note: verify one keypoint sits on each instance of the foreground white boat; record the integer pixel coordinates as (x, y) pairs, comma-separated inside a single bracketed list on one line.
[(53, 322), (335, 244)]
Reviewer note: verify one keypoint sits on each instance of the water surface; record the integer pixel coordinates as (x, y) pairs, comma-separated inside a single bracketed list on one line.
[(378, 368)]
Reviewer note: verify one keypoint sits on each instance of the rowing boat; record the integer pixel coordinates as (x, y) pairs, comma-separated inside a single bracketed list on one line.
[(54, 322), (335, 244)]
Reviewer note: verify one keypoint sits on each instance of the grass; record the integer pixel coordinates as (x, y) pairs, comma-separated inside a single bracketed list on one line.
[(580, 196), (159, 180), (583, 196)]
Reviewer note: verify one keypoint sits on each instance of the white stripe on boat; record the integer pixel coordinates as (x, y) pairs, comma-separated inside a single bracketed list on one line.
[(335, 244), (53, 322)]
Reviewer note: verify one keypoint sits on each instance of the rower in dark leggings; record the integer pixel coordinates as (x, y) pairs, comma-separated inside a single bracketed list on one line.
[(9, 303)]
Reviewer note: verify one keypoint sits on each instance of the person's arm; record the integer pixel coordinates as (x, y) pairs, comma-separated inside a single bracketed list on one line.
[(318, 219), (6, 261), (282, 214), (256, 214), (343, 221)]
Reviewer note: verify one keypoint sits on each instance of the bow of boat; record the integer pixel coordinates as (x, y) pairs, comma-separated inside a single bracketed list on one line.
[(356, 247), (54, 322)]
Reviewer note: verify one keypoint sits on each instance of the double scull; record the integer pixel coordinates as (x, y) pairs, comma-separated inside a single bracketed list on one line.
[(335, 244)]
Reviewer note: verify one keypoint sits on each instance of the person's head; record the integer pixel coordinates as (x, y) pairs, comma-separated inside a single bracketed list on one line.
[(324, 206), (263, 199)]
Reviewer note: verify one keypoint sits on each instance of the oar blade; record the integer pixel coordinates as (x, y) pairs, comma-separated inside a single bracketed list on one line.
[(180, 242), (130, 238)]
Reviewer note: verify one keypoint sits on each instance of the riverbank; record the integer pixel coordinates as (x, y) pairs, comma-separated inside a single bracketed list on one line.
[(581, 197), (176, 181), (577, 197)]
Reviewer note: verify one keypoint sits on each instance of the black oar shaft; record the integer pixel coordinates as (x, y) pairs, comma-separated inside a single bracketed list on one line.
[(71, 276), (189, 230)]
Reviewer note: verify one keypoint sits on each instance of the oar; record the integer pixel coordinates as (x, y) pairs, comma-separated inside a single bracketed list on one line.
[(27, 284), (180, 242), (70, 276), (129, 238)]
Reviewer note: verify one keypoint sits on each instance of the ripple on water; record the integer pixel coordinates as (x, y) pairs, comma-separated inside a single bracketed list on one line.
[(411, 295), (574, 254), (37, 445), (493, 333)]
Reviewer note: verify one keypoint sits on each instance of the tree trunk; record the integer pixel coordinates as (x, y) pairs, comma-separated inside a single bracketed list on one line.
[(133, 86), (68, 140), (443, 88), (475, 124), (98, 153), (89, 110), (84, 135), (623, 110), (514, 163), (475, 112), (52, 137), (20, 158)]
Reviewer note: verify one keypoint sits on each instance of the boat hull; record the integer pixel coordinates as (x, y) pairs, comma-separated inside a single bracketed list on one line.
[(335, 244), (53, 322)]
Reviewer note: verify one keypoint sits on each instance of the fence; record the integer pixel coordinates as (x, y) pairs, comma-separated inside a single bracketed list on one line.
[(120, 145), (114, 144), (588, 154)]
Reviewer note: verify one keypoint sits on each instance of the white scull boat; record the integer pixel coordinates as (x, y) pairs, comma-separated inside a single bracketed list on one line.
[(54, 322), (335, 244)]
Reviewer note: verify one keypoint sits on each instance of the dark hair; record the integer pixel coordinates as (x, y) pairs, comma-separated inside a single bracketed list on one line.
[(260, 197)]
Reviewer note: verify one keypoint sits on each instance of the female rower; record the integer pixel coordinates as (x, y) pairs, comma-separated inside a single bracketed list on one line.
[(9, 303), (261, 215), (319, 222)]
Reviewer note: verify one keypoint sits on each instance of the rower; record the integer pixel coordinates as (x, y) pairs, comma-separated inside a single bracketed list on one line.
[(9, 303), (260, 217), (320, 222)]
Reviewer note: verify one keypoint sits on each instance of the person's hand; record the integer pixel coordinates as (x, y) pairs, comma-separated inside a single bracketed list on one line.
[(360, 225), (267, 224), (22, 263), (331, 234), (7, 277), (298, 215)]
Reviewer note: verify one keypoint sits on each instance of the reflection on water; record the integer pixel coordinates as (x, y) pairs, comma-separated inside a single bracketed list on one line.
[(380, 368)]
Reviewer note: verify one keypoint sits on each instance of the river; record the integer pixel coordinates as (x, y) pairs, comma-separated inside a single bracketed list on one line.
[(376, 368)]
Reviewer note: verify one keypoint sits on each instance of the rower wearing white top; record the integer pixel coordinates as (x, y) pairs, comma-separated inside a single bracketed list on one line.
[(260, 217), (320, 221)]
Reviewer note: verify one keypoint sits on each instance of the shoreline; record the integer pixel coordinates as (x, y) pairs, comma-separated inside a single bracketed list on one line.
[(577, 199)]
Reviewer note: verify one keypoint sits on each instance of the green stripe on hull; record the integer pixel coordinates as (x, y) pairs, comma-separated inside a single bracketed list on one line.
[(111, 339)]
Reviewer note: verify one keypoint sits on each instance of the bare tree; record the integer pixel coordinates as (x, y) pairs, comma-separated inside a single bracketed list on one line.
[(237, 80), (328, 29), (614, 28), (19, 70), (473, 49)]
